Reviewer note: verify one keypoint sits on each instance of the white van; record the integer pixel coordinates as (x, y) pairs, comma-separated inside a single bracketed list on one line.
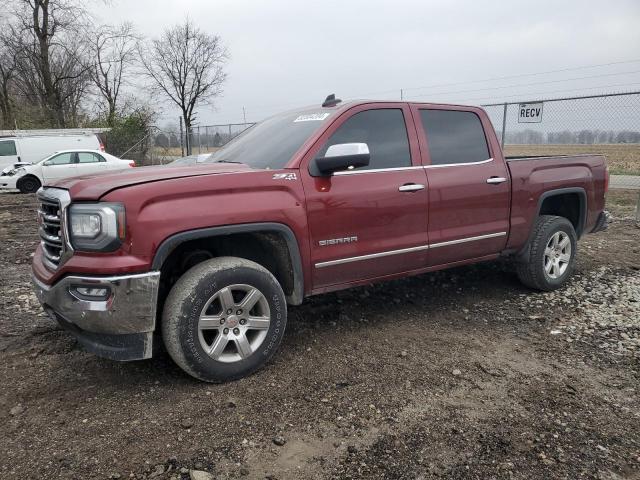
[(33, 148)]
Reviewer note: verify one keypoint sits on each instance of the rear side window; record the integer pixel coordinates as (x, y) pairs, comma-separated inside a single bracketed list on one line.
[(383, 130), (8, 148), (88, 157), (454, 137)]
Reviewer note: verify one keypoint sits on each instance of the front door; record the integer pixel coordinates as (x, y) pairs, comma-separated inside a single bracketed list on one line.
[(371, 221), (469, 188), (59, 166)]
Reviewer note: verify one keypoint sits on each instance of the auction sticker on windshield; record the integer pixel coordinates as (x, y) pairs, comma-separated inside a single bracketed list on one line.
[(311, 117)]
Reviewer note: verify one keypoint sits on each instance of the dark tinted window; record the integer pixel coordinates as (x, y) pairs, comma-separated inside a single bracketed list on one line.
[(385, 133), (7, 148), (454, 137)]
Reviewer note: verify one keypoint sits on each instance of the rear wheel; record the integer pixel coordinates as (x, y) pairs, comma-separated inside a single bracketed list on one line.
[(224, 319), (29, 184), (551, 255)]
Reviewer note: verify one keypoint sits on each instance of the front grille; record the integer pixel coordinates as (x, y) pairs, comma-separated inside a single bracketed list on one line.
[(51, 217)]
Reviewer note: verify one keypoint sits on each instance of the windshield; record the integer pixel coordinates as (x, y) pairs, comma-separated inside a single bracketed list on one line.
[(271, 143)]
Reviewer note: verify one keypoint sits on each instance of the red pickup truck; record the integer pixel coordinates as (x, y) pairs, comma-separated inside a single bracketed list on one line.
[(204, 259)]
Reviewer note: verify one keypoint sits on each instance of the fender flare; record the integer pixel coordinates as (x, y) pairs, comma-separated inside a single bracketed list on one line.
[(523, 254), (171, 243)]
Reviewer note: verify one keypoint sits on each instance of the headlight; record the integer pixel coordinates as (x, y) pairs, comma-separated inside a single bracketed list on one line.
[(17, 171), (96, 227)]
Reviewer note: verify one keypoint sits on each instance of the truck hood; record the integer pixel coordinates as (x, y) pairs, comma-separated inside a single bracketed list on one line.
[(92, 187)]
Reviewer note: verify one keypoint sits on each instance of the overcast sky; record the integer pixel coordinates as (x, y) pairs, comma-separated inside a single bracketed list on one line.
[(289, 53)]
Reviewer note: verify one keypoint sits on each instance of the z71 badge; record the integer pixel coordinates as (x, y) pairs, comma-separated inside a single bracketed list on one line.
[(285, 176)]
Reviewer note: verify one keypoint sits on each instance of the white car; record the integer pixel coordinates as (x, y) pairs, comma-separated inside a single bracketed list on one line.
[(30, 148), (63, 164)]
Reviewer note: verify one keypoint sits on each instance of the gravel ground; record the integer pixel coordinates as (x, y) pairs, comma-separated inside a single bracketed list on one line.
[(457, 374)]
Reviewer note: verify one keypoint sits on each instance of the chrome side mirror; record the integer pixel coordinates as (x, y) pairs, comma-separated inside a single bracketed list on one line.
[(343, 156)]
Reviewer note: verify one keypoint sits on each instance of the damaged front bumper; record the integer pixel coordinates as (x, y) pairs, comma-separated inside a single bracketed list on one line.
[(112, 317)]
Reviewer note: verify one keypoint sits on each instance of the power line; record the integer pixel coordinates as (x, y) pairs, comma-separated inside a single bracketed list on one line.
[(515, 85), (520, 75), (530, 95)]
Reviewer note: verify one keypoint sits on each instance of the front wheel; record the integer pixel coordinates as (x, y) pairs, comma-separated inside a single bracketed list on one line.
[(224, 319), (29, 184), (552, 254)]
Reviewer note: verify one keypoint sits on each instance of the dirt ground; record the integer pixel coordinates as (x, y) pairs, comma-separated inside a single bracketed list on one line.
[(457, 374)]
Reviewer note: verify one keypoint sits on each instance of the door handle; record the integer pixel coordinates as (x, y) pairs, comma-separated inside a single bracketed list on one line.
[(496, 180), (410, 187)]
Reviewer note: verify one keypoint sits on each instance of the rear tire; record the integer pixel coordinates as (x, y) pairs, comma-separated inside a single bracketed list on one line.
[(224, 319), (551, 255), (29, 184)]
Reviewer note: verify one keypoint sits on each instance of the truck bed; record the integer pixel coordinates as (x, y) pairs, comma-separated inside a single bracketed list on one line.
[(534, 177)]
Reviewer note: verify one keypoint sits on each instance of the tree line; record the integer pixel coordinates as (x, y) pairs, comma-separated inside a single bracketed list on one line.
[(59, 68), (568, 137)]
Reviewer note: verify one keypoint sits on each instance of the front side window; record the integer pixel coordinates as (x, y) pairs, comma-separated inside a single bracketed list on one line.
[(88, 157), (454, 137), (62, 159), (8, 148), (385, 133)]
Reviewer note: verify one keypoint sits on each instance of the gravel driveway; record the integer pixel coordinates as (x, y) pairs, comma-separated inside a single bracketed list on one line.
[(456, 374)]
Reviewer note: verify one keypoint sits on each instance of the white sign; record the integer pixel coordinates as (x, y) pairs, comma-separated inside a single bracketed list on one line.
[(530, 112), (311, 117)]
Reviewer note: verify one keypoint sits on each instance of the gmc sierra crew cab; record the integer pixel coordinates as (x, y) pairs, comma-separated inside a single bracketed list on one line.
[(205, 259)]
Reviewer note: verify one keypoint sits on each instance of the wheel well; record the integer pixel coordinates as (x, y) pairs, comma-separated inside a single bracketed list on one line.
[(568, 205), (28, 176), (268, 249)]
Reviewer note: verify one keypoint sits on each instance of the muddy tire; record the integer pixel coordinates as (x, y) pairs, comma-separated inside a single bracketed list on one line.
[(552, 253), (28, 184), (224, 319)]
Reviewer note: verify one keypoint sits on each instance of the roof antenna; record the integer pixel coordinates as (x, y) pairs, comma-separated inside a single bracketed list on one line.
[(331, 101)]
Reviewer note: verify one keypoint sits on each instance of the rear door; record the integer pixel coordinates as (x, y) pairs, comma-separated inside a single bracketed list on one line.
[(8, 153), (469, 186), (90, 163), (368, 222), (59, 166)]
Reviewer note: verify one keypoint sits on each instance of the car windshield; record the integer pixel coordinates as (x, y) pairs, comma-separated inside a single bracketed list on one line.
[(271, 143)]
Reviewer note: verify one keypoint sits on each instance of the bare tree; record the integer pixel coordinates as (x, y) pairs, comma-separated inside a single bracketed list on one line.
[(7, 73), (113, 55), (186, 64), (45, 36)]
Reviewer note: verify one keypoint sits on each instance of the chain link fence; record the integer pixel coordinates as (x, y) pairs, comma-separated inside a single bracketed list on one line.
[(159, 146), (607, 124)]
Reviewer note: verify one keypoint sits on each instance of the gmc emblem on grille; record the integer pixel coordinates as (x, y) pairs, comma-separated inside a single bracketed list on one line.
[(337, 241)]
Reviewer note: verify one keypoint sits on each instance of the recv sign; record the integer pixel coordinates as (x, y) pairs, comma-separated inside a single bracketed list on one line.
[(530, 112)]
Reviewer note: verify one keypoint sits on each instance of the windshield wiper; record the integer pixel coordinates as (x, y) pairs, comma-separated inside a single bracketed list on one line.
[(226, 161)]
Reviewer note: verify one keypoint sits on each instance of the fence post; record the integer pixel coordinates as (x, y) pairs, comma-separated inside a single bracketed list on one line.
[(199, 143), (229, 139), (181, 143), (504, 125)]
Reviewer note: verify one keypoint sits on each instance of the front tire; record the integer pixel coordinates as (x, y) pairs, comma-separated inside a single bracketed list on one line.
[(29, 184), (552, 254), (224, 319)]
